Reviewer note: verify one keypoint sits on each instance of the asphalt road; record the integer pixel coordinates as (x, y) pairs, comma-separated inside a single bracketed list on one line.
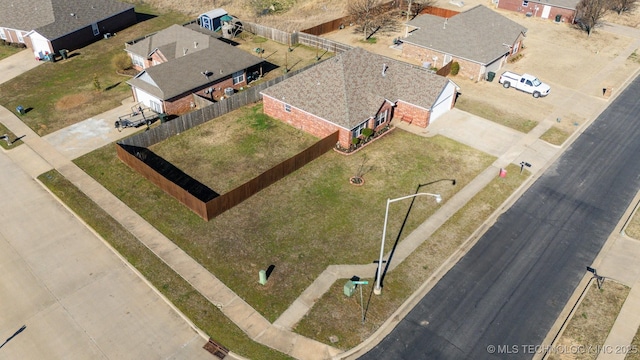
[(512, 285)]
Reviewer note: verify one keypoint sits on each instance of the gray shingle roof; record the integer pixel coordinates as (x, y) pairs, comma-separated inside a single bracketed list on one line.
[(478, 34), (350, 88), (52, 18), (184, 73), (173, 42), (567, 4)]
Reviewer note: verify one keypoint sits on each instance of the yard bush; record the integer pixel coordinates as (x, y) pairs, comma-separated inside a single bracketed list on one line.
[(355, 141), (455, 68), (366, 133), (122, 62)]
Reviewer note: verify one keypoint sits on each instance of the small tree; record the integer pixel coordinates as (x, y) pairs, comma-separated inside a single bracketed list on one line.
[(455, 68), (96, 83), (620, 6), (122, 61), (365, 13), (589, 14)]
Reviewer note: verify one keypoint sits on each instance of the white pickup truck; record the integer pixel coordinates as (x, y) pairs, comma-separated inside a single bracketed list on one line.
[(525, 82)]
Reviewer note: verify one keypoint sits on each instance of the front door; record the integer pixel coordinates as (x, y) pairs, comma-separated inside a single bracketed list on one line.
[(545, 12)]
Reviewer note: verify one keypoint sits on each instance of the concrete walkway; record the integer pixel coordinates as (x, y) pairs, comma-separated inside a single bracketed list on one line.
[(56, 151)]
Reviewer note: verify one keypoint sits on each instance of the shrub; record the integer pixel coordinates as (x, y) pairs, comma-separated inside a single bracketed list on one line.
[(366, 133), (96, 83), (355, 141), (455, 68), (122, 61)]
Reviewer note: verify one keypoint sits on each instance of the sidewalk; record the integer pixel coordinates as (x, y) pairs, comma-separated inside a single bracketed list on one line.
[(58, 149)]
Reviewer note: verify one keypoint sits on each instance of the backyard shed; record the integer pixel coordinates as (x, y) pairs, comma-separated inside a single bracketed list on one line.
[(213, 19)]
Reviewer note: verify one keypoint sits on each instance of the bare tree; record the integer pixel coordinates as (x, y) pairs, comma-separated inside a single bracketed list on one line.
[(367, 14), (589, 14), (621, 6)]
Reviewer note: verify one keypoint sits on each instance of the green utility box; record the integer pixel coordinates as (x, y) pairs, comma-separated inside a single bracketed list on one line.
[(349, 288)]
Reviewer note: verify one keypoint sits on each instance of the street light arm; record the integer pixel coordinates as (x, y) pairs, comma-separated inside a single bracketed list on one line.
[(437, 196)]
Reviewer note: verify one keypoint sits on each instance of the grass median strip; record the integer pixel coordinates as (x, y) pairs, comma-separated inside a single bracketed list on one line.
[(337, 317), (589, 327), (195, 306)]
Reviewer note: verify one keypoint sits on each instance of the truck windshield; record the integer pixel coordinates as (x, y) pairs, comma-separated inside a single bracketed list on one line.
[(536, 82)]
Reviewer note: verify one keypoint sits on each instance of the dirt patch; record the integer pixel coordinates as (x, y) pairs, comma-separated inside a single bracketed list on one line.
[(73, 101)]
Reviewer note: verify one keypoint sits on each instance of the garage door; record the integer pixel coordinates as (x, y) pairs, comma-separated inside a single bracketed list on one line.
[(40, 45), (443, 104), (149, 100)]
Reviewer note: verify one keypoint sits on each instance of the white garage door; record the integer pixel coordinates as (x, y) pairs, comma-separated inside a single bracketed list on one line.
[(443, 104), (149, 100), (40, 45)]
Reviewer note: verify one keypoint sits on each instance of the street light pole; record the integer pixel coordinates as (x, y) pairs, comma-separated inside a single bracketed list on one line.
[(378, 289)]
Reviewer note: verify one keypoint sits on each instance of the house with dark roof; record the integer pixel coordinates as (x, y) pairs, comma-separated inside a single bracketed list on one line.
[(557, 10), (479, 39), (182, 68), (356, 90), (47, 26)]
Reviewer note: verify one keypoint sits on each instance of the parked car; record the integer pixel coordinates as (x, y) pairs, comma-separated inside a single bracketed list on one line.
[(525, 82)]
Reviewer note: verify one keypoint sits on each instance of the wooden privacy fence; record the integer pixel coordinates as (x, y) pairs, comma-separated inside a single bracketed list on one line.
[(322, 43), (202, 200)]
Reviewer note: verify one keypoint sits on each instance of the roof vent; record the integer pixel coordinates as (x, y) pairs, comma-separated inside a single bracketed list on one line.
[(384, 69), (445, 24), (206, 73), (195, 44), (184, 51)]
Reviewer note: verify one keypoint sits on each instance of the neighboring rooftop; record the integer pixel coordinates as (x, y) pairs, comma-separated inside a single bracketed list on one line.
[(187, 72), (55, 18), (478, 34), (567, 4), (350, 87), (173, 42)]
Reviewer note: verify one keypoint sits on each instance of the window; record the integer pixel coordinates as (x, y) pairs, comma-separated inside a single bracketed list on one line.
[(382, 117), (516, 47), (95, 29), (238, 77), (155, 106), (20, 38), (287, 107), (357, 131), (525, 3), (137, 61), (3, 36)]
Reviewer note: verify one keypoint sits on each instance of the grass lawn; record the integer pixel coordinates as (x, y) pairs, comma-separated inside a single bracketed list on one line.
[(633, 227), (234, 148), (305, 222), (60, 94), (7, 50), (5, 131), (204, 314), (592, 321), (634, 351), (555, 136), (336, 315), (490, 112)]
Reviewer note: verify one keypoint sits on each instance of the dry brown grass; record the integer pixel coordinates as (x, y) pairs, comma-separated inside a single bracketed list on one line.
[(72, 101), (633, 227), (555, 136), (337, 315), (592, 321)]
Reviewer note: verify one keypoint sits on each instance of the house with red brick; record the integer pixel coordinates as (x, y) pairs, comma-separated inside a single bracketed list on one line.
[(479, 39), (181, 68), (557, 10), (356, 90)]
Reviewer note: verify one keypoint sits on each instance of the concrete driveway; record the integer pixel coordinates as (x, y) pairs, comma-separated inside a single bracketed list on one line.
[(17, 64)]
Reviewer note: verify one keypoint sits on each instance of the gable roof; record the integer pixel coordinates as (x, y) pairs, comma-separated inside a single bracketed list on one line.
[(479, 34), (53, 18), (185, 73), (174, 42), (350, 88)]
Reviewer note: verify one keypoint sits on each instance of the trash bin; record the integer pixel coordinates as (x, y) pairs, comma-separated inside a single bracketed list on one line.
[(64, 53), (163, 118), (490, 76), (558, 18), (20, 110)]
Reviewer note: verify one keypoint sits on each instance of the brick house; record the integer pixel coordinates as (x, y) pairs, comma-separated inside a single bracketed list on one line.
[(557, 10), (356, 90), (181, 68), (479, 39), (47, 26)]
